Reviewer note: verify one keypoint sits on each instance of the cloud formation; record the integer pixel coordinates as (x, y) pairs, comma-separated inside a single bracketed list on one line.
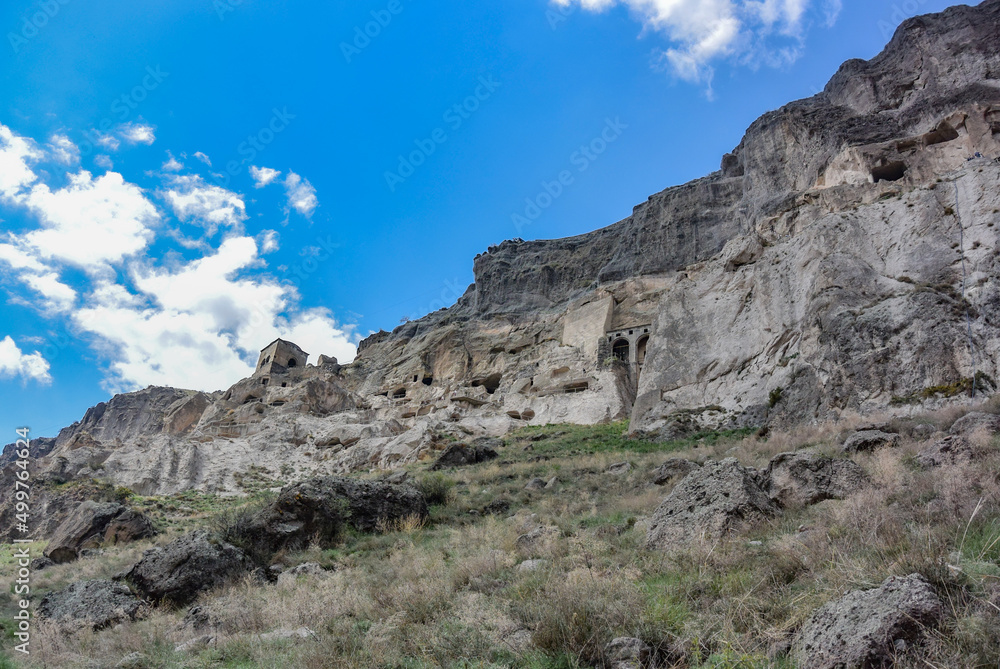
[(702, 32), (28, 367), (262, 176), (301, 195)]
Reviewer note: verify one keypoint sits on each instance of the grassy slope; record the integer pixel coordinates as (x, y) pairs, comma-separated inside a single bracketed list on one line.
[(451, 593)]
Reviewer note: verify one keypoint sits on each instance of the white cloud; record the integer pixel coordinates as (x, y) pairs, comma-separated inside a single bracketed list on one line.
[(200, 325), (104, 161), (14, 363), (301, 194), (705, 31), (137, 133), (90, 223), (203, 158), (262, 176), (194, 200), (58, 296), (15, 154), (108, 142), (63, 150), (268, 241), (172, 164)]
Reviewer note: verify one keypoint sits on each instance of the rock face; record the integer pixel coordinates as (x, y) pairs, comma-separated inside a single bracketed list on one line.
[(869, 440), (317, 510), (800, 479), (97, 604), (861, 629), (709, 503), (178, 572), (951, 450), (975, 422), (93, 524)]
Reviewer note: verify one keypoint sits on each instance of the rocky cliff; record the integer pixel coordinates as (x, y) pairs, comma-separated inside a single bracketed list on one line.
[(844, 258)]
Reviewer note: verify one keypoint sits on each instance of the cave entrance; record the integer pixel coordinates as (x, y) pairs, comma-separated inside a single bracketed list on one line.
[(640, 349), (893, 171), (620, 350)]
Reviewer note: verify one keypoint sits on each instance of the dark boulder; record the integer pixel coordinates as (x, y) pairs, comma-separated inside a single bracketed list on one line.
[(178, 572), (461, 454), (97, 604), (94, 523), (804, 478), (870, 440), (674, 468)]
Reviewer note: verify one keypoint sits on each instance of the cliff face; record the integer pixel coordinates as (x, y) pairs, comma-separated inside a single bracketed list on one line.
[(837, 262)]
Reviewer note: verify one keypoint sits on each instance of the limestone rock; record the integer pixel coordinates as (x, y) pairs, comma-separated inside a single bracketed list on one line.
[(628, 653), (183, 569), (870, 440), (97, 604), (974, 422), (861, 628), (710, 502), (951, 450), (619, 469), (803, 478), (92, 524), (535, 484), (673, 468)]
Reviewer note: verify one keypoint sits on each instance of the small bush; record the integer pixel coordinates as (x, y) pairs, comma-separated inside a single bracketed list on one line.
[(237, 526), (123, 494), (774, 397), (437, 488)]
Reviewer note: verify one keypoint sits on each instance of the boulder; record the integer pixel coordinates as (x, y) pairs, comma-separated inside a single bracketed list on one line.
[(619, 469), (975, 422), (672, 469), (460, 454), (869, 440), (307, 569), (711, 502), (536, 484), (97, 604), (864, 628), (94, 523), (178, 572), (319, 508), (628, 653), (951, 450), (804, 478)]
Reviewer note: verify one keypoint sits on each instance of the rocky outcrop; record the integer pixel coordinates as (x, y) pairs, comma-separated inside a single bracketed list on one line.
[(709, 503), (868, 628), (869, 440), (317, 510), (93, 524), (800, 479), (974, 422), (674, 468), (95, 604), (952, 450), (461, 454), (628, 653), (178, 572)]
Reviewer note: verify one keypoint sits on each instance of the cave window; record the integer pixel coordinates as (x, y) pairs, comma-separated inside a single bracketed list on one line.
[(415, 378), (579, 387), (893, 171), (263, 382), (640, 349), (428, 380), (620, 350), (943, 133), (491, 383), (399, 394), (284, 385), (292, 362)]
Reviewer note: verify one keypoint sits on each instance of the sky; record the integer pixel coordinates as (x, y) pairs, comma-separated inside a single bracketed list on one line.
[(182, 182)]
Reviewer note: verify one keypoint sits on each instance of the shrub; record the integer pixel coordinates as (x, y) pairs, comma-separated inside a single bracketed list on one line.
[(237, 526), (774, 397), (436, 488)]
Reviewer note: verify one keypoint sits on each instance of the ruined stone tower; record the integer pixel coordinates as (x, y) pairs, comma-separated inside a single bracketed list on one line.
[(277, 358)]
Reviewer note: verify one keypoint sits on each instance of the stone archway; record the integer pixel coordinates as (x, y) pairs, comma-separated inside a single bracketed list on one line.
[(620, 349)]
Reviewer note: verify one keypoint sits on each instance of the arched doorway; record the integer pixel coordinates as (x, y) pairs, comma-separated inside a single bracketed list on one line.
[(620, 349), (640, 349)]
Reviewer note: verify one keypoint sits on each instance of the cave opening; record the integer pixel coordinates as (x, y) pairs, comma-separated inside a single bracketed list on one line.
[(892, 171)]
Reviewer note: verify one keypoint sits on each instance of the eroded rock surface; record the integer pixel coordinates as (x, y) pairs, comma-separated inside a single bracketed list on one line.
[(97, 604), (862, 628), (93, 524), (709, 503), (799, 479)]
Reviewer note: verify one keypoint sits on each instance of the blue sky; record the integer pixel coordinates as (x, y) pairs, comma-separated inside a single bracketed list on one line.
[(182, 182)]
